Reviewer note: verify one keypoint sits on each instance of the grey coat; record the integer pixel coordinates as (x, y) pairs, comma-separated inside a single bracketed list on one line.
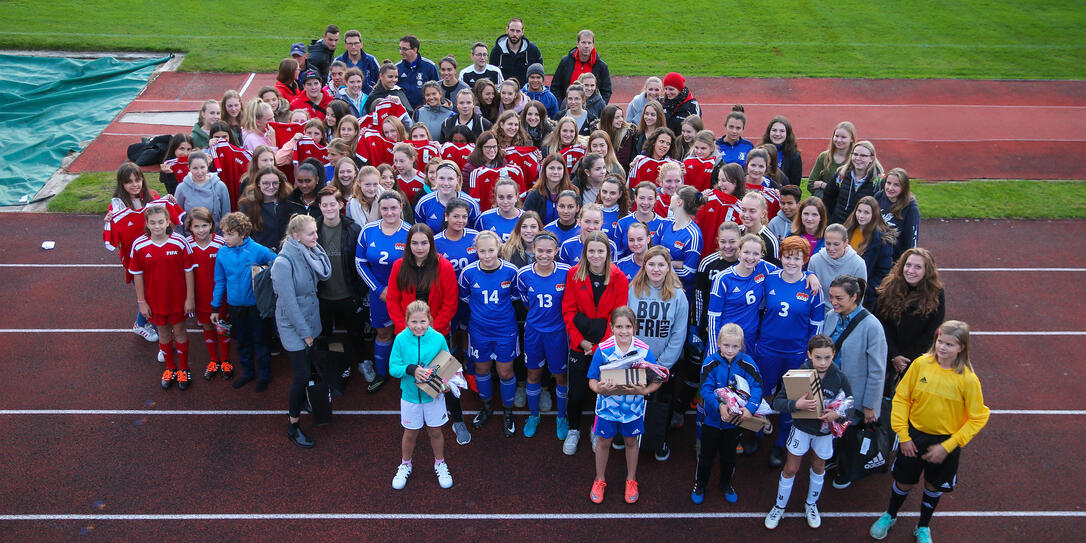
[(863, 360), (297, 310)]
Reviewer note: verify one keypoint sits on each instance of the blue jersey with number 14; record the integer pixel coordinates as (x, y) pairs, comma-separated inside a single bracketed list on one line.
[(543, 297), (376, 252), (490, 295)]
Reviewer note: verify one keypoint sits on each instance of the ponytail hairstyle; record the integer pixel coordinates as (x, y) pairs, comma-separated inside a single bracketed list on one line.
[(854, 287), (418, 306), (149, 211), (691, 198), (297, 222), (958, 330), (708, 138), (624, 312)]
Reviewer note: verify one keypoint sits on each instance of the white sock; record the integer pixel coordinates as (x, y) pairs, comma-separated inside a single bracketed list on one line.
[(815, 488), (784, 490)]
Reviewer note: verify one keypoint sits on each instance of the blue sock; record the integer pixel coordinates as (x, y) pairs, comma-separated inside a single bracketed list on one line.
[(560, 392), (509, 391), (482, 381), (140, 319), (381, 351), (534, 390)]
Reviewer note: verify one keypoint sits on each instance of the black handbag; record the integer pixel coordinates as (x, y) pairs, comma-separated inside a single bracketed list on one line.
[(318, 392), (657, 421), (868, 452)]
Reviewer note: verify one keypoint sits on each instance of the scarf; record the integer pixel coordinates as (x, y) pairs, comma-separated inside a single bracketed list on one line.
[(315, 257)]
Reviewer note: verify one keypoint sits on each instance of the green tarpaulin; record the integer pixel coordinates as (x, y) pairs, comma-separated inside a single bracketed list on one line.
[(51, 106)]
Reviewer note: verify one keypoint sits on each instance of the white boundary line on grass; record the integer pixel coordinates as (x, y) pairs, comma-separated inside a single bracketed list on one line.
[(196, 330), (381, 412), (519, 516)]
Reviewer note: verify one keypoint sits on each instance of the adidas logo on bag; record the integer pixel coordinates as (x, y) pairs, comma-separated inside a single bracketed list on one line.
[(876, 462)]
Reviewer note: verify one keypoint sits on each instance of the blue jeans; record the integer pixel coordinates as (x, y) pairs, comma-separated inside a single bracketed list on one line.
[(248, 331)]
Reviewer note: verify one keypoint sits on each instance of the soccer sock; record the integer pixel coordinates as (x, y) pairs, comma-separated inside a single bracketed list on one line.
[(560, 393), (182, 355), (533, 390), (784, 490), (927, 507), (482, 380), (167, 352), (381, 350), (438, 462), (212, 344), (224, 347), (406, 462), (509, 391), (897, 499), (814, 489)]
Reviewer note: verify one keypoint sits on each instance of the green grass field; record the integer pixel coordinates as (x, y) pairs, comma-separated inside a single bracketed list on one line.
[(1026, 39), (989, 198)]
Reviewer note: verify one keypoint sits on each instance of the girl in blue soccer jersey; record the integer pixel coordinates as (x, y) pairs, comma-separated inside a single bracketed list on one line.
[(502, 218), (591, 220), (447, 181), (566, 226), (638, 241), (380, 244), (620, 409), (541, 286), (615, 201), (518, 249), (737, 293), (793, 315), (457, 244), (489, 288), (643, 212), (682, 237)]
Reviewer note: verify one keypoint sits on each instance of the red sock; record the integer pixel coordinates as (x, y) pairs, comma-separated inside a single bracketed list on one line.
[(211, 340), (183, 355), (224, 348), (167, 352)]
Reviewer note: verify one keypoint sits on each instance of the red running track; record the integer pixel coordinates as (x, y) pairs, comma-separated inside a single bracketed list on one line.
[(162, 464), (936, 129)]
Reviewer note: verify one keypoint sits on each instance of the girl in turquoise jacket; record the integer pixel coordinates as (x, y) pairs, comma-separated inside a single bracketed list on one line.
[(413, 351)]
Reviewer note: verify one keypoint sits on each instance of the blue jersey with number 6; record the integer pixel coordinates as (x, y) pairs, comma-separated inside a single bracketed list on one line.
[(376, 252), (737, 299), (490, 295), (543, 297)]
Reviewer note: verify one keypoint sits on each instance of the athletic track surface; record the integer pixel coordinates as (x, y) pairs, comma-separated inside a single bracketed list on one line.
[(935, 129), (93, 449)]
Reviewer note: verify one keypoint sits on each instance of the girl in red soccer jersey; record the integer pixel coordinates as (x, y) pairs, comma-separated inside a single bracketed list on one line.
[(205, 244), (699, 164), (176, 167), (670, 179), (563, 140), (409, 178), (124, 223), (160, 262)]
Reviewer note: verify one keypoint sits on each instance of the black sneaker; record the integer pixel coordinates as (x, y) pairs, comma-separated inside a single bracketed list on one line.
[(776, 457), (481, 417), (840, 482), (508, 425), (377, 384), (663, 452)]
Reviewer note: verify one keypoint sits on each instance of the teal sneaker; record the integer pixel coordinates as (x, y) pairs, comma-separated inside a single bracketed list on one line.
[(882, 526), (562, 427), (530, 426), (923, 534)]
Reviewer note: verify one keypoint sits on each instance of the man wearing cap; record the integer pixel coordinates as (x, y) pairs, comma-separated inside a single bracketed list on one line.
[(322, 51), (678, 102), (536, 90), (298, 53), (581, 59), (355, 57), (513, 53), (313, 98), (415, 70)]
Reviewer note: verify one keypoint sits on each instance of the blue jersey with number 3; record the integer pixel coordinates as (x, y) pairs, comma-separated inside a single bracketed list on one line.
[(376, 252), (543, 297), (792, 315), (490, 295)]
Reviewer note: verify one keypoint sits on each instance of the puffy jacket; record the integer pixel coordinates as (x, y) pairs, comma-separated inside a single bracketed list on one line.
[(295, 205), (515, 64), (578, 299), (320, 58), (443, 298), (683, 106), (409, 352), (564, 73), (348, 243), (717, 372), (233, 272)]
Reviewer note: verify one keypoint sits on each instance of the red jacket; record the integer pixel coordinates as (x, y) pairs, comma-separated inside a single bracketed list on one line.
[(301, 101), (443, 299), (286, 93), (578, 299)]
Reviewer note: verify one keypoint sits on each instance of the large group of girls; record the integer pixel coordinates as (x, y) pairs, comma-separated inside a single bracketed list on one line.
[(537, 235)]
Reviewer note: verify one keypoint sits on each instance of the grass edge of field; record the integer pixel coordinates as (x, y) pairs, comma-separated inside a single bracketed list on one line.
[(973, 199)]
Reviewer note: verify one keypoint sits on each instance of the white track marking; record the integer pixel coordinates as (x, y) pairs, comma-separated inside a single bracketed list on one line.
[(249, 81), (522, 516), (378, 412)]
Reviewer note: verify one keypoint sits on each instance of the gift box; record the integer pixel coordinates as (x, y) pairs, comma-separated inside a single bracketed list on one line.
[(445, 368), (799, 383)]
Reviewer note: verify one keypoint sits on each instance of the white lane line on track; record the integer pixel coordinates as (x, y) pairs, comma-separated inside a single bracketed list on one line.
[(379, 412), (197, 330), (941, 270), (249, 81), (520, 516)]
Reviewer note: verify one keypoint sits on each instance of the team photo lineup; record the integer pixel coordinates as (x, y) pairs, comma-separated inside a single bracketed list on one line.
[(499, 232)]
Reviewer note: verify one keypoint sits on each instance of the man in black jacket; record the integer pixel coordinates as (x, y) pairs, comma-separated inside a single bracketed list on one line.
[(513, 53), (323, 51), (581, 59)]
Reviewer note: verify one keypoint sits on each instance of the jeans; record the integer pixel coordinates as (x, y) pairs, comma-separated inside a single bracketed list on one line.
[(248, 331)]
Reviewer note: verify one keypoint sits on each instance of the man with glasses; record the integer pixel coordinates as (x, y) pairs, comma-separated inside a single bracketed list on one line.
[(355, 57), (415, 70), (479, 69)]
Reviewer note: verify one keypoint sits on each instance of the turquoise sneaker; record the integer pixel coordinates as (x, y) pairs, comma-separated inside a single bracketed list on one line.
[(563, 428), (923, 534), (882, 526), (530, 426)]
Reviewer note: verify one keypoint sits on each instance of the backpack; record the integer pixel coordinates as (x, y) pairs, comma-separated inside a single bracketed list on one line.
[(149, 151), (263, 291)]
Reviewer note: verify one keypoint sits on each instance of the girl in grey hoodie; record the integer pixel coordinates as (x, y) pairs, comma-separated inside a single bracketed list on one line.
[(203, 189), (836, 258)]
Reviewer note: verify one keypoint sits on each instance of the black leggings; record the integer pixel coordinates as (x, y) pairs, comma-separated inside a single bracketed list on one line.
[(299, 363), (578, 388), (714, 440)]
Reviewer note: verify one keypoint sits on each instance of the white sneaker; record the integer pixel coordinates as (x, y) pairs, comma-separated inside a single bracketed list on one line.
[(520, 398), (443, 477), (161, 357), (368, 371), (145, 332), (774, 518), (545, 400), (402, 473), (814, 520), (569, 446)]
